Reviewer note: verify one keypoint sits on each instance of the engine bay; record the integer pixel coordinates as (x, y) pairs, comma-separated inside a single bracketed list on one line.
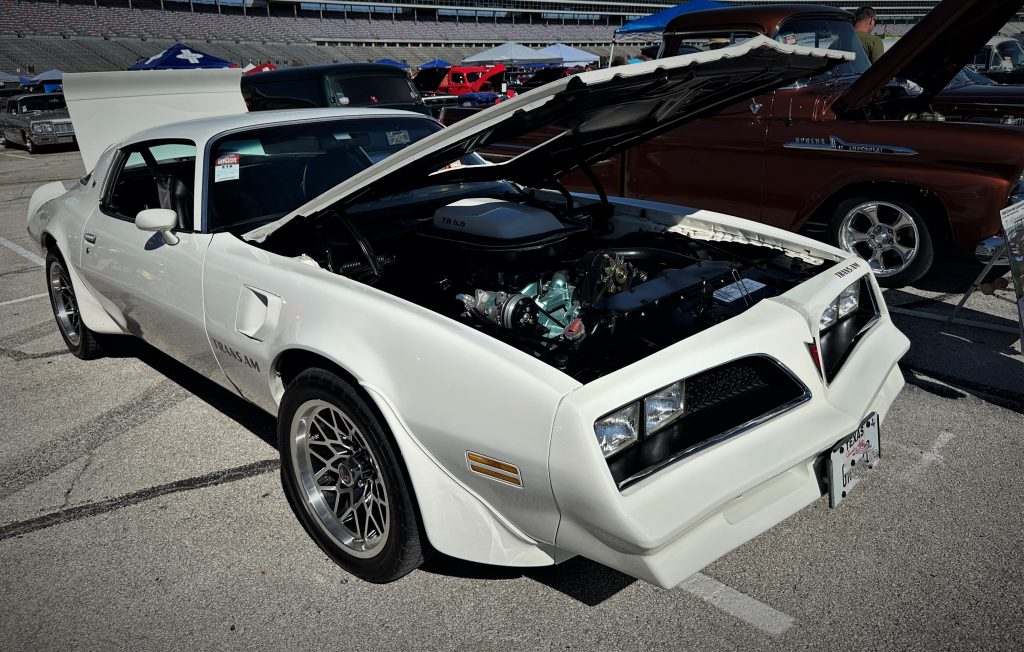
[(556, 281)]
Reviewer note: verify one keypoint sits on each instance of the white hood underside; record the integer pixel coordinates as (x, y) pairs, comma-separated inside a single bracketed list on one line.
[(108, 107)]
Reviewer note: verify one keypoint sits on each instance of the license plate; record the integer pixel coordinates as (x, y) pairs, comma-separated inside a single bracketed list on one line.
[(852, 459)]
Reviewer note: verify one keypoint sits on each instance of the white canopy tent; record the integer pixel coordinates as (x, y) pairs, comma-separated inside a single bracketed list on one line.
[(510, 54)]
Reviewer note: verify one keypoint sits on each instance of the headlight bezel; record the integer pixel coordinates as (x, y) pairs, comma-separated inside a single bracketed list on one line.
[(640, 428)]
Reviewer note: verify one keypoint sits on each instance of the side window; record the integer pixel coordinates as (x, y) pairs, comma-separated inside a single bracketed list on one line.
[(457, 78), (292, 94), (153, 175)]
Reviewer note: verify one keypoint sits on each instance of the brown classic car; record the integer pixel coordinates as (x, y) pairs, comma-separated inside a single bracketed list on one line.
[(861, 157)]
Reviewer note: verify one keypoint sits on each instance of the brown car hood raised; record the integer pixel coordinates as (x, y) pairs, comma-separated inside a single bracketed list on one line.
[(933, 51)]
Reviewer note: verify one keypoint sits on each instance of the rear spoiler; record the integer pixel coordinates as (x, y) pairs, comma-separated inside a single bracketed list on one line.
[(108, 107)]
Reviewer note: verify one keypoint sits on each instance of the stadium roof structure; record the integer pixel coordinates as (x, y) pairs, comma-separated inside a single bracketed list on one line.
[(511, 53)]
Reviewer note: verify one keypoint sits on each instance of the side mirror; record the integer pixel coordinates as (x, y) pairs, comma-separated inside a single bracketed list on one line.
[(158, 219)]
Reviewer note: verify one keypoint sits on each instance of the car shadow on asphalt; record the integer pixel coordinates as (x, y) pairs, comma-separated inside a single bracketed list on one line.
[(581, 579), (235, 408)]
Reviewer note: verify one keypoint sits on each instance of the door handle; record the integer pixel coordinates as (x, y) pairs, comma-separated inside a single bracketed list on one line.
[(90, 238)]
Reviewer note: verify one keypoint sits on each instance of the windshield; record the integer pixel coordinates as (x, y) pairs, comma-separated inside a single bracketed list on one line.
[(830, 35), (968, 76), (261, 174), (377, 89), (807, 32), (1009, 55), (41, 103)]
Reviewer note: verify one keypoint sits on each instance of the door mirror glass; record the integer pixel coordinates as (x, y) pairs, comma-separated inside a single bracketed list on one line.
[(158, 219)]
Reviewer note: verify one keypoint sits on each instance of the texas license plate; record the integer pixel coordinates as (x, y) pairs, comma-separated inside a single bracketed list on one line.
[(852, 459)]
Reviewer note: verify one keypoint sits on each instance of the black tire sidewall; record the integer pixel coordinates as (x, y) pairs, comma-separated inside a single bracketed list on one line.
[(76, 350), (402, 552), (925, 256)]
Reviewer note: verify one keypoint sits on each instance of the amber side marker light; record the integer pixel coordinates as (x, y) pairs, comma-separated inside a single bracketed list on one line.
[(494, 469)]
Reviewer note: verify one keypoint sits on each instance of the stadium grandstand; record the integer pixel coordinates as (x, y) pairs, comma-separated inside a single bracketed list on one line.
[(90, 35)]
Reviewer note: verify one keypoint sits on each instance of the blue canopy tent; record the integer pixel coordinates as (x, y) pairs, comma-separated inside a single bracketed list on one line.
[(392, 62), (181, 57), (435, 63), (655, 23)]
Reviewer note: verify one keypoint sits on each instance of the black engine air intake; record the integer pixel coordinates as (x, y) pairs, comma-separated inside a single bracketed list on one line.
[(719, 403)]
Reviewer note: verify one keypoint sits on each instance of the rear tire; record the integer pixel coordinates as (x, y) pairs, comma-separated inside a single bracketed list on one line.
[(81, 342), (887, 230), (344, 481)]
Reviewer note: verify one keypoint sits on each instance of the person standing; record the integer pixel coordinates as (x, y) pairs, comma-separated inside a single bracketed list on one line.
[(864, 25)]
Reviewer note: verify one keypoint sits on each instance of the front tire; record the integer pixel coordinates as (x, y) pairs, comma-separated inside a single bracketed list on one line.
[(344, 481), (889, 232), (81, 342), (30, 146)]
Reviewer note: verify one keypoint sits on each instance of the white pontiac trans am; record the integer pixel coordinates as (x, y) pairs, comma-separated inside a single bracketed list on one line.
[(464, 357)]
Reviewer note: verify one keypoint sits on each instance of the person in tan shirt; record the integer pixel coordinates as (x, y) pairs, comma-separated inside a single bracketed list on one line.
[(864, 25)]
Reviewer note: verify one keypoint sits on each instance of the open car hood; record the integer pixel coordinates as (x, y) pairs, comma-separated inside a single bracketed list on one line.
[(602, 113), (107, 107), (932, 53)]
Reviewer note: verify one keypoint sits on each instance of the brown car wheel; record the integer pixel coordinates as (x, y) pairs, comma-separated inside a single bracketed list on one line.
[(889, 232)]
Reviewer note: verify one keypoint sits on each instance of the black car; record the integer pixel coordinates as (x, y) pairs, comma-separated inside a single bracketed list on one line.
[(332, 85)]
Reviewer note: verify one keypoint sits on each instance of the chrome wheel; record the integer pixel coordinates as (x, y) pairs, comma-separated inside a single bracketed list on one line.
[(339, 478), (65, 307), (884, 234)]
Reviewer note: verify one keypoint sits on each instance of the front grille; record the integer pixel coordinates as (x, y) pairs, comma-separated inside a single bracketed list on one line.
[(719, 403), (63, 128)]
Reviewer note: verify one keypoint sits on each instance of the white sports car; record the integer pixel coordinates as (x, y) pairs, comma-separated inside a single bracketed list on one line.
[(464, 357)]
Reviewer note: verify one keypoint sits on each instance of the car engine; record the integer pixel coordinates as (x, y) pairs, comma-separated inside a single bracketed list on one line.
[(547, 281)]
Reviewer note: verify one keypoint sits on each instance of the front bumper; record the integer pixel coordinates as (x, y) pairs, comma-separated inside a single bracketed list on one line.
[(989, 248), (673, 523), (52, 139)]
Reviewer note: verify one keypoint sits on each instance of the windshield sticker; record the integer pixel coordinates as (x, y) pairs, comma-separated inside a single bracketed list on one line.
[(226, 168), (400, 137)]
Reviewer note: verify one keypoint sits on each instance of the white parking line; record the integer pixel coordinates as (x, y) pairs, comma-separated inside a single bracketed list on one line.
[(742, 606), (930, 456), (22, 251), (30, 298), (17, 155)]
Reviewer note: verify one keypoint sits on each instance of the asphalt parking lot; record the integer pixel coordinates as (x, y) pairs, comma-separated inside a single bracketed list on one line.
[(140, 508)]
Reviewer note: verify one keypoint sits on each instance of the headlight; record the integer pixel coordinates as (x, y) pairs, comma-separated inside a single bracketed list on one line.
[(844, 305), (663, 407), (42, 127), (618, 429)]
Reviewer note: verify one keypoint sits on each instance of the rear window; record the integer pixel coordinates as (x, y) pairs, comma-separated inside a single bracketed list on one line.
[(370, 90), (284, 94), (260, 175)]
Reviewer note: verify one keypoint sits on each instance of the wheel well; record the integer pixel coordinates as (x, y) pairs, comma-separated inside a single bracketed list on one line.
[(293, 362), (932, 208), (50, 244)]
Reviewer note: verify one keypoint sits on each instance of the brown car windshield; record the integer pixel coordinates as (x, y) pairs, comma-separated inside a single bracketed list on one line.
[(807, 32)]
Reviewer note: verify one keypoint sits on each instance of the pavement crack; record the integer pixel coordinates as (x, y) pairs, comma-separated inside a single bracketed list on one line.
[(213, 479)]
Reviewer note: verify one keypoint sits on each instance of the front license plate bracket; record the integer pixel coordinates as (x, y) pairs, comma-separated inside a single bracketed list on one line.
[(852, 458)]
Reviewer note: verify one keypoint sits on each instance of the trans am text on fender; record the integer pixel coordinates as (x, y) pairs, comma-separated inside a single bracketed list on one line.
[(464, 357)]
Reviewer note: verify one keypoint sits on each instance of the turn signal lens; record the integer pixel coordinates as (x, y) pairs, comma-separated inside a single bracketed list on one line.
[(663, 407), (618, 429)]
